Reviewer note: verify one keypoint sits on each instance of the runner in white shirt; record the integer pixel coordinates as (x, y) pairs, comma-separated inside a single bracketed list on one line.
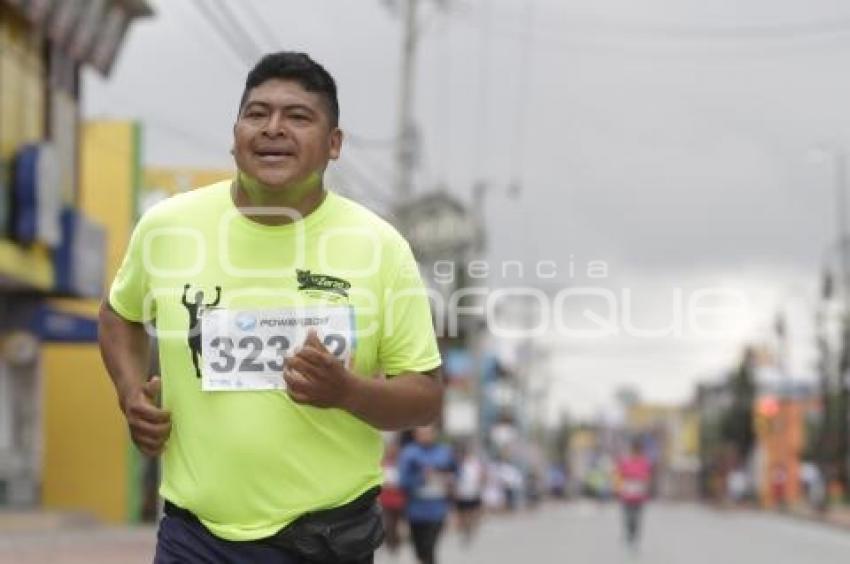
[(468, 491)]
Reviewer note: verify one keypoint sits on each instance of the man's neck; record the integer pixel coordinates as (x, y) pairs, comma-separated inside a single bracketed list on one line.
[(276, 207)]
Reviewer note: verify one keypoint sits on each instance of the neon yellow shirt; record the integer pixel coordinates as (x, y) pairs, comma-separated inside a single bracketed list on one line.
[(249, 462)]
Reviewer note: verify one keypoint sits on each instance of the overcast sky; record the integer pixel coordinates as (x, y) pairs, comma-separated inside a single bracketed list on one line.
[(674, 140)]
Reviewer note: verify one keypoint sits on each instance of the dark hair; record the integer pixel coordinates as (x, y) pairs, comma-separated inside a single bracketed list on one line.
[(298, 67), (637, 445)]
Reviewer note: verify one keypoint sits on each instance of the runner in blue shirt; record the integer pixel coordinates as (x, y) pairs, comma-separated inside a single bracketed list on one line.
[(427, 471)]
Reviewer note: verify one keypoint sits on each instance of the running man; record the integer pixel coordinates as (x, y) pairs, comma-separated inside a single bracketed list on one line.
[(274, 454)]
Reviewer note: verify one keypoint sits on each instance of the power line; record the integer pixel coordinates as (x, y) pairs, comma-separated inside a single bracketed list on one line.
[(382, 170), (355, 190), (262, 26), (247, 51), (234, 57), (649, 31), (369, 143), (240, 33), (443, 104), (606, 36), (364, 179), (523, 90), (189, 136), (165, 123), (603, 45), (220, 27), (484, 74), (754, 32)]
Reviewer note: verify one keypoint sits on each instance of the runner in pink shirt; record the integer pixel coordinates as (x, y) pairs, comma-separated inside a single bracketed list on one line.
[(635, 473)]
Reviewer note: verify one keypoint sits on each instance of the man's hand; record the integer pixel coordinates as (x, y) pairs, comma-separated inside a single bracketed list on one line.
[(315, 377), (150, 426)]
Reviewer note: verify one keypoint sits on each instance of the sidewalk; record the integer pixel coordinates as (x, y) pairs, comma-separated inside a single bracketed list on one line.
[(50, 537), (837, 516), (31, 521)]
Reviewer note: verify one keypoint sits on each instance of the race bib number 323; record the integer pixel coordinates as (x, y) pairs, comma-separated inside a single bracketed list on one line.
[(246, 350)]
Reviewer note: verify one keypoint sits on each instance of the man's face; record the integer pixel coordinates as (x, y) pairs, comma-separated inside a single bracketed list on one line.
[(283, 136), (426, 435)]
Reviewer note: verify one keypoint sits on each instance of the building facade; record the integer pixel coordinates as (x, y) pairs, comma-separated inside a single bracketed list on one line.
[(50, 248)]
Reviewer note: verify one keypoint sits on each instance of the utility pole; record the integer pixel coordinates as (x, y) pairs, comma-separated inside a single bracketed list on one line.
[(826, 439), (840, 157), (843, 230), (407, 140)]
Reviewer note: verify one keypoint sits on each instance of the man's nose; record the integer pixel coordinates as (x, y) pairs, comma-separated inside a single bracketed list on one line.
[(275, 125)]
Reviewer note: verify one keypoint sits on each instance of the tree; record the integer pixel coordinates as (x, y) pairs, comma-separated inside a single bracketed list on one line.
[(737, 422)]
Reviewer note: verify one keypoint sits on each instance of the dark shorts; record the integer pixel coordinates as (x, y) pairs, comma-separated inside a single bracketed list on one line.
[(184, 540), (425, 535), (181, 541), (468, 504)]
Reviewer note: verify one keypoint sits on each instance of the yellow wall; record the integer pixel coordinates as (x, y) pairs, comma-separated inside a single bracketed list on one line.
[(642, 417), (108, 178), (31, 266), (89, 463), (22, 75), (689, 438), (175, 180), (85, 447)]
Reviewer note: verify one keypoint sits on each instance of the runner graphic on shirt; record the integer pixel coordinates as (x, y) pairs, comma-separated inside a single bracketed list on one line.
[(195, 310)]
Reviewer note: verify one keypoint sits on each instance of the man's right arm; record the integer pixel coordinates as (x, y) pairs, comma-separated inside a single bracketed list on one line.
[(125, 348)]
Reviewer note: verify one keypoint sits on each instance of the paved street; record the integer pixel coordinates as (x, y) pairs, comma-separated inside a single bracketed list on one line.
[(585, 533), (579, 532)]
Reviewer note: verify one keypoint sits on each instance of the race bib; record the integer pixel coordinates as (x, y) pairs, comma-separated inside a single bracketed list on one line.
[(635, 488), (436, 486), (391, 476), (246, 350)]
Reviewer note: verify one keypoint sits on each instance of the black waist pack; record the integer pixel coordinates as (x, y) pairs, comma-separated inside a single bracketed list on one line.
[(349, 533), (341, 535)]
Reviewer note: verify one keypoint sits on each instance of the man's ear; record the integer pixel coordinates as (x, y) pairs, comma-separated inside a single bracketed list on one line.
[(335, 143)]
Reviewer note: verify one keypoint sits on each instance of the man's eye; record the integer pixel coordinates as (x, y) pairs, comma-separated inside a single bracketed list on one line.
[(299, 117), (255, 114)]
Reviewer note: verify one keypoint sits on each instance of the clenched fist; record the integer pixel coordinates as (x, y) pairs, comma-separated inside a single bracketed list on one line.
[(315, 377), (150, 426)]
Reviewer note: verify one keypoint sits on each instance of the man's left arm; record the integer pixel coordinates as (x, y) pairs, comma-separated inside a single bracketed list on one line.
[(411, 399), (400, 402)]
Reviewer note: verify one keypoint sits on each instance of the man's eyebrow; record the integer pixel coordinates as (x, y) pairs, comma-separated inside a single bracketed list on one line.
[(297, 106), (256, 103)]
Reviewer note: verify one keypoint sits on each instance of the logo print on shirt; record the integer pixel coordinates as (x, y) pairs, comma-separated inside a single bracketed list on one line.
[(195, 309), (246, 322), (310, 281)]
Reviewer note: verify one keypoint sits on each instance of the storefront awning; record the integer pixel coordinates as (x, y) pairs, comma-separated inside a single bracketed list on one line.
[(89, 31)]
